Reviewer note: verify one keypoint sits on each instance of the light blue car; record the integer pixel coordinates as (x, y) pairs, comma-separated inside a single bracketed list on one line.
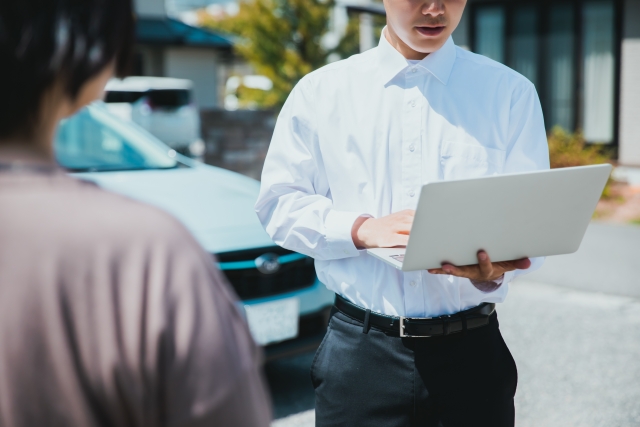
[(287, 307)]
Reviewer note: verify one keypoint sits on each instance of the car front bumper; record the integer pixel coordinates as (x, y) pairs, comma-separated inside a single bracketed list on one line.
[(316, 302), (311, 331)]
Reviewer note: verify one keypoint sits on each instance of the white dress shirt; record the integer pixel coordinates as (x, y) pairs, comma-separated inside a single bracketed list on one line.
[(362, 135)]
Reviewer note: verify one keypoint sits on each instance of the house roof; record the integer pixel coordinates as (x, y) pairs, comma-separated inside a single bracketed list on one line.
[(169, 31)]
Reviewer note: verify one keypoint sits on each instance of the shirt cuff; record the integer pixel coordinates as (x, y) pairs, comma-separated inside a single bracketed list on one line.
[(338, 226), (508, 277), (499, 281)]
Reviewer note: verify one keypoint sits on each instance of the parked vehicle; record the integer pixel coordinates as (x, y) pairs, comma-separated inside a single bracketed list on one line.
[(162, 106), (286, 306)]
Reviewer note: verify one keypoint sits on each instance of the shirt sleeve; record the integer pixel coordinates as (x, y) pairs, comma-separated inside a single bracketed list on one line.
[(295, 204), (210, 364), (528, 147)]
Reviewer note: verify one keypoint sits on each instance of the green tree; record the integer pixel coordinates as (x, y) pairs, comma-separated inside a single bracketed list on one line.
[(350, 43), (281, 39), (570, 149)]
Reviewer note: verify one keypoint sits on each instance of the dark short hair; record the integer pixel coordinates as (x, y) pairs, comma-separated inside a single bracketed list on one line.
[(47, 41)]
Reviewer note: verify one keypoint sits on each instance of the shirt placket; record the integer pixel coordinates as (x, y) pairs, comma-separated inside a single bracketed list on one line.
[(411, 174)]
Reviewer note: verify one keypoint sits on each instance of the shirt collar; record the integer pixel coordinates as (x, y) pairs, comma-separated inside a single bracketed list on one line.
[(439, 63)]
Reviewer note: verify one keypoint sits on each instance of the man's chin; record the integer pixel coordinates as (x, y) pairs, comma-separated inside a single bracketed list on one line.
[(427, 47)]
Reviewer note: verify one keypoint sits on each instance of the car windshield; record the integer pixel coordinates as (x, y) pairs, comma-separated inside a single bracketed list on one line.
[(120, 96), (168, 98), (95, 140)]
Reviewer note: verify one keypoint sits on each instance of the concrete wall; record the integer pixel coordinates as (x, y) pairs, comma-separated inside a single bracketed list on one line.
[(198, 65), (237, 140), (629, 132), (151, 7)]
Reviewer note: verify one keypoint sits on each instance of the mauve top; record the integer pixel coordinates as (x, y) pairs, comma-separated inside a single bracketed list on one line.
[(111, 314)]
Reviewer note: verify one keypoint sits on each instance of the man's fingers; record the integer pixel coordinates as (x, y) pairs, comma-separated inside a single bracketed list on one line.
[(442, 270), (406, 230), (484, 263), (518, 264), (457, 271), (399, 240), (484, 270), (521, 264), (466, 271), (505, 266), (403, 226)]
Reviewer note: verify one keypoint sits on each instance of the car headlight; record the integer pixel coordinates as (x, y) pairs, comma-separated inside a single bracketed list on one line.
[(197, 148)]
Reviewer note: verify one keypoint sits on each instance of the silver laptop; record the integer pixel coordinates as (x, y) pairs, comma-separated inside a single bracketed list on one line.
[(511, 216)]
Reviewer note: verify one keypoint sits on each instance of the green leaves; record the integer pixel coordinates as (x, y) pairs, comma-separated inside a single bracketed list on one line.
[(570, 149), (282, 40)]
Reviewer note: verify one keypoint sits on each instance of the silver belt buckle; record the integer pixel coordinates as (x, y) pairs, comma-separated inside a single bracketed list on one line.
[(403, 335)]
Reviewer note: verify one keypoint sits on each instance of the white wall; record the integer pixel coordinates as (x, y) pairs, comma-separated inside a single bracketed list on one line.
[(629, 132), (198, 65), (150, 7)]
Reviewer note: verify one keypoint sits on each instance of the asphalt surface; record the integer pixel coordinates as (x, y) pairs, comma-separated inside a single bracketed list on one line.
[(578, 356), (608, 261), (290, 384), (575, 339)]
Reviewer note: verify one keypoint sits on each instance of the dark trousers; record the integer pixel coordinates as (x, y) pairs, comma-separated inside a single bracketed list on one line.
[(376, 379)]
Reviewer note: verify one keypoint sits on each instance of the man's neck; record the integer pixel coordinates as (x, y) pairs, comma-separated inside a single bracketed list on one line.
[(401, 46)]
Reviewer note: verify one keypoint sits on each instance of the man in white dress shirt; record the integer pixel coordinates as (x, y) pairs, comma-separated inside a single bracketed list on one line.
[(352, 147)]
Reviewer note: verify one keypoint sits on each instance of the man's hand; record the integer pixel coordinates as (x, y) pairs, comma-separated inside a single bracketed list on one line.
[(386, 232), (483, 272)]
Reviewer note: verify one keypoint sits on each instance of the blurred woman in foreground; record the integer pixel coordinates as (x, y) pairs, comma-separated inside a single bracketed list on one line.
[(110, 312)]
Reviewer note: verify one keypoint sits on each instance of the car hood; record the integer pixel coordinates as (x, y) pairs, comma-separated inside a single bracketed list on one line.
[(216, 205)]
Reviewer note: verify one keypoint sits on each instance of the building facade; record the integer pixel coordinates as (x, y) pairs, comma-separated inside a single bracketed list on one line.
[(582, 55), (167, 47)]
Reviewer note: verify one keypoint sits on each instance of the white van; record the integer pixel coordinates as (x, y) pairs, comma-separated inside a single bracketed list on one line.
[(163, 106)]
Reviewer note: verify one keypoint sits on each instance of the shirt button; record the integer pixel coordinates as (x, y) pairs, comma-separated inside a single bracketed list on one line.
[(412, 148), (414, 69), (412, 193), (413, 283), (413, 103)]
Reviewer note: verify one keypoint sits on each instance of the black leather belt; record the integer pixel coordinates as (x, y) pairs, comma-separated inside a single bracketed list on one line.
[(414, 327)]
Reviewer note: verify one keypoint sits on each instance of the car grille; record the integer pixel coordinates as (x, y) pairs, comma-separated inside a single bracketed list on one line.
[(296, 272)]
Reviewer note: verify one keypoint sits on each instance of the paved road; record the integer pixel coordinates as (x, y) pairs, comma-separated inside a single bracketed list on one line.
[(608, 261), (576, 340), (290, 384), (578, 356)]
